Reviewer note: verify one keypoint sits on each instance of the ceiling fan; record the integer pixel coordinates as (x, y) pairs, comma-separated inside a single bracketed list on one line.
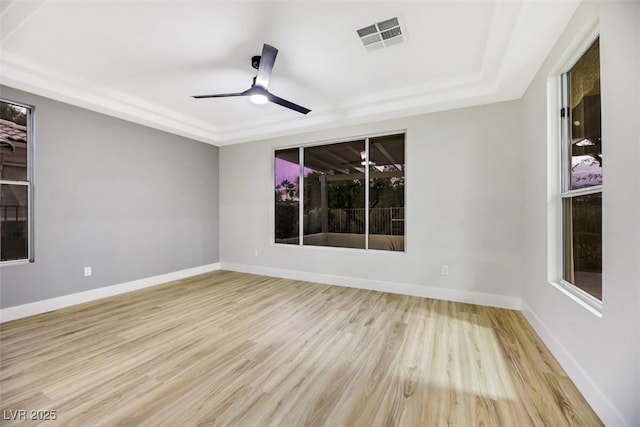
[(258, 93)]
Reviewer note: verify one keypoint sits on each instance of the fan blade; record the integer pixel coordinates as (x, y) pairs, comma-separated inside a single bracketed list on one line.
[(288, 104), (267, 59), (220, 95)]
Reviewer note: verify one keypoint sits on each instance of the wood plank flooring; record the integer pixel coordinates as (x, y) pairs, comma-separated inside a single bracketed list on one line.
[(234, 349)]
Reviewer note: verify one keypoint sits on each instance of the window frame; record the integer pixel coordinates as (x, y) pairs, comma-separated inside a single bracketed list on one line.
[(564, 190), (301, 149), (29, 183)]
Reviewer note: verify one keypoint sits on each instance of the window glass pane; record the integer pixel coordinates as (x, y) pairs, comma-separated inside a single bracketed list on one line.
[(13, 222), (386, 192), (287, 195), (13, 142), (585, 128), (583, 242), (334, 195)]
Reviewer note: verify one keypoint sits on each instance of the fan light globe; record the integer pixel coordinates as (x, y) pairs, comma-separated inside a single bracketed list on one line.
[(258, 98)]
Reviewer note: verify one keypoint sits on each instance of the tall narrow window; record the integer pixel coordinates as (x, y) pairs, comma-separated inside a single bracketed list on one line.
[(15, 181), (582, 175), (287, 194), (386, 192), (352, 194)]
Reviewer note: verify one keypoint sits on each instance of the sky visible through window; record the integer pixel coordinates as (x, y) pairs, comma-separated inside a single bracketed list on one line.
[(286, 170)]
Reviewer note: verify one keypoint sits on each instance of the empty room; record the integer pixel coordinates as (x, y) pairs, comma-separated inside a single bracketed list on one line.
[(324, 213)]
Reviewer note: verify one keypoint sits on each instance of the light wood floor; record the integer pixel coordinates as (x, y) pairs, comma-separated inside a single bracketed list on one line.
[(235, 349)]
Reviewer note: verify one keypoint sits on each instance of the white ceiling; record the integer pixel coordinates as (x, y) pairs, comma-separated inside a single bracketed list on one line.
[(142, 60)]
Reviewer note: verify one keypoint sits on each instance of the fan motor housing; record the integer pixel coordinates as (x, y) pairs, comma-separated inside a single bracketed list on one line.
[(255, 61)]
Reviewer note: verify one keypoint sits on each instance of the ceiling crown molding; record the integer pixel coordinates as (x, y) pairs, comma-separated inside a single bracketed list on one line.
[(21, 74)]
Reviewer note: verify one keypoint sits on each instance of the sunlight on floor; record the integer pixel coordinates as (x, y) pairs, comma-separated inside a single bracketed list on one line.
[(475, 363)]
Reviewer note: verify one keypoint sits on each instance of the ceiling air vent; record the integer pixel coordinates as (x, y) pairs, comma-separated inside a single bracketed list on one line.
[(383, 34)]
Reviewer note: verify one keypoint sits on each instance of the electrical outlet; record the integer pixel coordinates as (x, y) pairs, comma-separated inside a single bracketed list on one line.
[(87, 271), (444, 270), (255, 252)]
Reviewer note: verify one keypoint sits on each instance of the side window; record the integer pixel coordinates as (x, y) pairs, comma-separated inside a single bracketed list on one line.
[(287, 195), (581, 171), (15, 182)]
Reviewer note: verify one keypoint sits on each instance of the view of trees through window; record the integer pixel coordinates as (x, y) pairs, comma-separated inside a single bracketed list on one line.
[(14, 182), (353, 194)]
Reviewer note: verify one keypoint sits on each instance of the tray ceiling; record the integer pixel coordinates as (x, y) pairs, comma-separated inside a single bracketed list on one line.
[(142, 60)]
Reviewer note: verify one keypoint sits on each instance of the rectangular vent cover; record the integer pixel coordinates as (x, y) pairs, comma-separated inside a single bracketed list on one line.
[(380, 35)]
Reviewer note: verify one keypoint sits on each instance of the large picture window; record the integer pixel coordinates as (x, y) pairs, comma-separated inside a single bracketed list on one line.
[(15, 182), (581, 168), (352, 194)]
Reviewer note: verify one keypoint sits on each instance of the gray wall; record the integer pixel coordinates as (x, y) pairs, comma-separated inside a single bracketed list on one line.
[(463, 207), (602, 354), (129, 201)]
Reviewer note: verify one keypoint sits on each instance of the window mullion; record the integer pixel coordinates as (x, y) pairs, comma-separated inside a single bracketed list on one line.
[(582, 192), (9, 182), (366, 194), (301, 197)]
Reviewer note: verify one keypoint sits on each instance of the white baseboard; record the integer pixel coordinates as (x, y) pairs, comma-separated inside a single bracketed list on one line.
[(376, 285), (30, 309), (609, 415)]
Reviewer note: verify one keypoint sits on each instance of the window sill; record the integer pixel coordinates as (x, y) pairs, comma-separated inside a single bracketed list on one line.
[(16, 262), (585, 300)]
